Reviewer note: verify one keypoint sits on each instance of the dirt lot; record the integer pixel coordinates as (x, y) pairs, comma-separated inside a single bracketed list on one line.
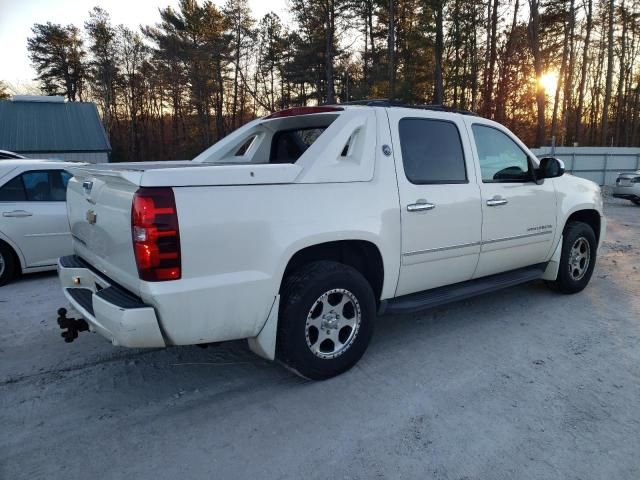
[(523, 384)]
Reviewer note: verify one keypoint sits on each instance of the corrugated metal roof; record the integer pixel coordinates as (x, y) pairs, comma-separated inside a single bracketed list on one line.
[(51, 127)]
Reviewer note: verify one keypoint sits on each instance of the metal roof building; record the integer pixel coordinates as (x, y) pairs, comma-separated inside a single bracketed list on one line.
[(49, 127)]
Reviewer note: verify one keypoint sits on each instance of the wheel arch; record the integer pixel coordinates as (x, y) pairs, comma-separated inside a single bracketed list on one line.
[(17, 254), (363, 255), (589, 216)]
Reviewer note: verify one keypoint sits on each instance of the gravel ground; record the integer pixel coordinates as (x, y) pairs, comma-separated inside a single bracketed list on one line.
[(523, 383)]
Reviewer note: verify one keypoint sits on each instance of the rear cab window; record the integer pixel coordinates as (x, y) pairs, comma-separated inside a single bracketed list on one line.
[(281, 138), (287, 146)]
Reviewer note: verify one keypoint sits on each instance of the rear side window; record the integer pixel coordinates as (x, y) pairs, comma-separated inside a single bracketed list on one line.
[(13, 191), (59, 181), (37, 186), (289, 145), (431, 151), (40, 186)]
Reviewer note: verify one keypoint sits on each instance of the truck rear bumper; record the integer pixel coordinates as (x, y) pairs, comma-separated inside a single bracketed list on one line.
[(113, 312)]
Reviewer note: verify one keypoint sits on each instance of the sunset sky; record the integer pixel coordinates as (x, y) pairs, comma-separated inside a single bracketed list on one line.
[(17, 17)]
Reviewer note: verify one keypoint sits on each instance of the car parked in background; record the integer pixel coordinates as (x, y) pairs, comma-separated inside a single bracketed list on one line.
[(34, 230), (7, 155), (628, 187)]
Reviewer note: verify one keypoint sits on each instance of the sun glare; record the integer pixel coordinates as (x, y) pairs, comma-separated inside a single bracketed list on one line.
[(549, 81)]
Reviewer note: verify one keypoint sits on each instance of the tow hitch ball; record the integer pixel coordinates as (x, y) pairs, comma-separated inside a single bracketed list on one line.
[(71, 326)]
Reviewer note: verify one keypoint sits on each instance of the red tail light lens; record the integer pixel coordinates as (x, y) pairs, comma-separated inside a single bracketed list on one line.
[(156, 236)]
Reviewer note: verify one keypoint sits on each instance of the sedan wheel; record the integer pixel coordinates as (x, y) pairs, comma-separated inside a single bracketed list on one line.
[(7, 264)]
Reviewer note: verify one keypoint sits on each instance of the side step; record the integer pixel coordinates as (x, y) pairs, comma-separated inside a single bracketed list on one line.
[(452, 293)]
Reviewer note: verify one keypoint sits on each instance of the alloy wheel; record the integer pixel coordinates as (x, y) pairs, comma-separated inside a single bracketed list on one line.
[(579, 258), (332, 323)]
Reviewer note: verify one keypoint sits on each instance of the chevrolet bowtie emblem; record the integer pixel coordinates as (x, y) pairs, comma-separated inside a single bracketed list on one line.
[(91, 217)]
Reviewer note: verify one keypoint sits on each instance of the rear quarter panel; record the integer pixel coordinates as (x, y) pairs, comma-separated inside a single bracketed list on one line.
[(237, 240)]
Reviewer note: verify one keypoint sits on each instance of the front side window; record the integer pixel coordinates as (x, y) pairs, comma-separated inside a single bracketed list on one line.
[(501, 159), (13, 191), (431, 151)]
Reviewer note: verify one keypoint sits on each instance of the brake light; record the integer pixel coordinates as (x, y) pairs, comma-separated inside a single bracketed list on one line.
[(293, 112), (155, 233)]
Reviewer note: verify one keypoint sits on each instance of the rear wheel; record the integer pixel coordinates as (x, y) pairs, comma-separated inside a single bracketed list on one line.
[(7, 264), (326, 319), (578, 258)]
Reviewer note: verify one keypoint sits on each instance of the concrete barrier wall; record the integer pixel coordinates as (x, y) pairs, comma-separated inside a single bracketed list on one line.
[(600, 164)]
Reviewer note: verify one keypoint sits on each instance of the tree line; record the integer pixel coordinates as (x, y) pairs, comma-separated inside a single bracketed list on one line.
[(171, 89)]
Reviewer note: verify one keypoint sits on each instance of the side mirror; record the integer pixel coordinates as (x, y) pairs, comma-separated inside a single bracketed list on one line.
[(550, 167)]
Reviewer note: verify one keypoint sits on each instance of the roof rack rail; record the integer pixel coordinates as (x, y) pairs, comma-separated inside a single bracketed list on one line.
[(383, 102)]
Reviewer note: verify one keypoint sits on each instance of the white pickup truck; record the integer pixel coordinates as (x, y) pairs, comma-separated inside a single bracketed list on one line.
[(297, 229)]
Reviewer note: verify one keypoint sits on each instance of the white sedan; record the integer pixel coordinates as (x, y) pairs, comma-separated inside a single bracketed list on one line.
[(628, 187), (34, 229)]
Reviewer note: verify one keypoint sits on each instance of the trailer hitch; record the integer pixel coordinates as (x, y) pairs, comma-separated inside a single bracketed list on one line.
[(70, 326)]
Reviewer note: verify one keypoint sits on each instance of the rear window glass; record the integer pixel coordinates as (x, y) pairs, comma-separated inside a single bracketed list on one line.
[(289, 145), (431, 151)]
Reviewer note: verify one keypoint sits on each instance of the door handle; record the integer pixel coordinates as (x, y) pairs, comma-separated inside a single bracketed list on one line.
[(17, 214), (497, 201), (420, 206)]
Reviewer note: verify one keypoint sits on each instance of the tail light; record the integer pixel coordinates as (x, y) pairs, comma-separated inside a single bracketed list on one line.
[(156, 237)]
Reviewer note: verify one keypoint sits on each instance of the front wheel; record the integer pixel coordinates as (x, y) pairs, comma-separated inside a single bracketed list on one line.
[(578, 258), (326, 319)]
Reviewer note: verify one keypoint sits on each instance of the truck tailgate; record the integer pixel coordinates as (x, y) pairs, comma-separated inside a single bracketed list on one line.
[(99, 209), (99, 201)]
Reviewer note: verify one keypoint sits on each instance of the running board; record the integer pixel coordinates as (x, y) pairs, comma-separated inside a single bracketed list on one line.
[(452, 293)]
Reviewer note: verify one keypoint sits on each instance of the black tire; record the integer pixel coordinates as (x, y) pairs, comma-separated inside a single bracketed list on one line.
[(636, 201), (573, 280), (308, 289), (7, 264)]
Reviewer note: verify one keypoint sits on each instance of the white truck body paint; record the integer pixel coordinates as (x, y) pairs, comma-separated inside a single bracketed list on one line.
[(242, 219)]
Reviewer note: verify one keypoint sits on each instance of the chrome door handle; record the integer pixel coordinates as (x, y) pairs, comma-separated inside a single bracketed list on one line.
[(420, 206), (17, 214), (497, 201)]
